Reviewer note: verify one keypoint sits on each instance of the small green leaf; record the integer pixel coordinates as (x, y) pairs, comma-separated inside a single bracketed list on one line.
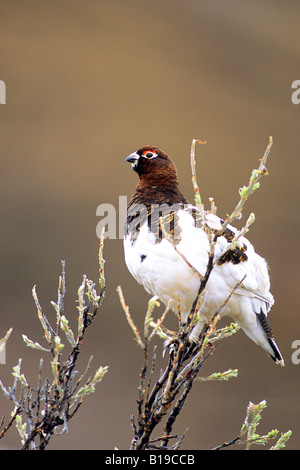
[(21, 377), (280, 444), (243, 191), (33, 345), (226, 375)]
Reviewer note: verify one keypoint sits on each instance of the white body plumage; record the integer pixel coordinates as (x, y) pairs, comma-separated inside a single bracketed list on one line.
[(164, 272)]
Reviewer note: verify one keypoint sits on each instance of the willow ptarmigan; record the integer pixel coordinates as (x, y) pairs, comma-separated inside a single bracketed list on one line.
[(172, 270)]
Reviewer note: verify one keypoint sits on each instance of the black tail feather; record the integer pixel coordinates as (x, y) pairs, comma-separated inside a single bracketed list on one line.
[(265, 324)]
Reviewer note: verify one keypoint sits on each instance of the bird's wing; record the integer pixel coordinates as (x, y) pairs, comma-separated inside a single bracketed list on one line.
[(237, 264)]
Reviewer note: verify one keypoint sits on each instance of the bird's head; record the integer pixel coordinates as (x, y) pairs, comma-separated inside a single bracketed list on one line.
[(150, 162)]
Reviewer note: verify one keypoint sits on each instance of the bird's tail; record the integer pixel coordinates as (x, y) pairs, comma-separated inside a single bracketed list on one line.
[(274, 352)]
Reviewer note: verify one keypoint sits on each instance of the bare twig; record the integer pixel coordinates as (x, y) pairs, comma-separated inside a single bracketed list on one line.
[(129, 319), (198, 199), (4, 340), (253, 185), (47, 408), (248, 434)]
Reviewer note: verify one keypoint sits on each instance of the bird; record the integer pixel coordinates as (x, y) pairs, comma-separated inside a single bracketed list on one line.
[(170, 261)]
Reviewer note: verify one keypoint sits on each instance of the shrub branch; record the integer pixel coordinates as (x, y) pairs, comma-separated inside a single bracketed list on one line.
[(42, 411)]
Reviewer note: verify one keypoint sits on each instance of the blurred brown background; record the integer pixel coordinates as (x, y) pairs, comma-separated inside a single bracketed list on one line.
[(87, 83)]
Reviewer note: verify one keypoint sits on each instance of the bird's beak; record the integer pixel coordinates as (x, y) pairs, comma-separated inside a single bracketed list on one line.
[(132, 158)]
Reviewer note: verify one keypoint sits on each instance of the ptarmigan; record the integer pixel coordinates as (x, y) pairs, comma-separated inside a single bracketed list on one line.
[(172, 269)]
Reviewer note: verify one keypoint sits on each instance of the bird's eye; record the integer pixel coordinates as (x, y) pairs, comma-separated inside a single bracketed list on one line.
[(149, 155)]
